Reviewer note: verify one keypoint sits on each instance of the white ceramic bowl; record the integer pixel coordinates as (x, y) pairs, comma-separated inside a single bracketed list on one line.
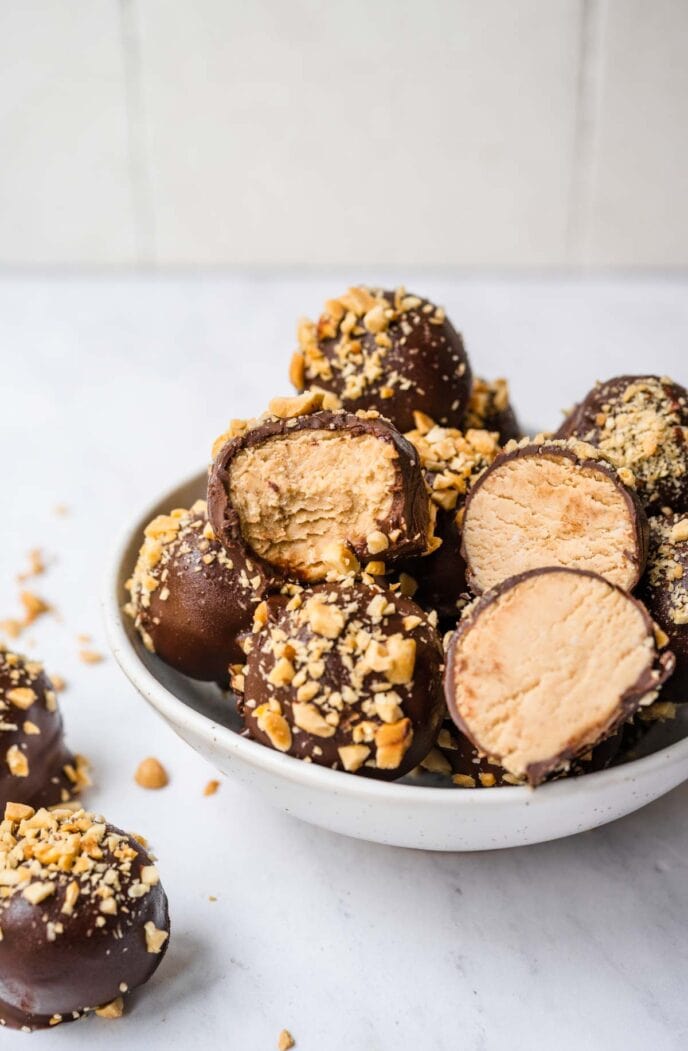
[(416, 812)]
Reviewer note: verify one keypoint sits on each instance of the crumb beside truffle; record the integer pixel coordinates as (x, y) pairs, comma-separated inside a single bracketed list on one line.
[(346, 675), (389, 351), (83, 916)]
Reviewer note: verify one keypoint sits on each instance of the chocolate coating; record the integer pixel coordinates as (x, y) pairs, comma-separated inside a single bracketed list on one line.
[(467, 764), (560, 513), (191, 596), (35, 764), (284, 491), (490, 409), (641, 422), (452, 460), (74, 922), (350, 679), (664, 590), (387, 351), (541, 650)]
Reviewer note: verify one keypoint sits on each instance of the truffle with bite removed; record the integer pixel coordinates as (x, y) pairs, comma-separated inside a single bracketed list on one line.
[(451, 462), (664, 590), (36, 767), (552, 503), (389, 351), (191, 596), (83, 916), (641, 423), (548, 665), (309, 492), (490, 409), (346, 675)]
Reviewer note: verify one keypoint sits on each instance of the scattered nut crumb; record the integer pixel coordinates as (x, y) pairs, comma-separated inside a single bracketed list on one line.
[(34, 606), (36, 565), (83, 638), (90, 656), (61, 510), (211, 788), (115, 1009), (58, 682), (150, 773), (285, 1041)]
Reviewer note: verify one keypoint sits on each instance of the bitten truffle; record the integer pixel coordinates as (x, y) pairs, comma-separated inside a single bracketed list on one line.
[(552, 503), (348, 676), (549, 664), (191, 596), (83, 916), (490, 409), (451, 462), (641, 423), (388, 351), (35, 764), (309, 493), (664, 590)]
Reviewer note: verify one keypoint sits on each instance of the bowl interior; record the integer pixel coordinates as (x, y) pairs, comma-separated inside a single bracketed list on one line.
[(218, 708)]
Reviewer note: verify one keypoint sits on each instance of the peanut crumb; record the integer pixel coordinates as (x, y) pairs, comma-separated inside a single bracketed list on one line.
[(285, 1041), (90, 656), (150, 773), (211, 788)]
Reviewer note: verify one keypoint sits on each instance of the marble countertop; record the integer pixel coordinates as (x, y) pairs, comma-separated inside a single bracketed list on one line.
[(113, 389)]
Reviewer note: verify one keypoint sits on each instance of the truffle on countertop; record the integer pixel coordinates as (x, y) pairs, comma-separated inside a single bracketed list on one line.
[(83, 916), (36, 767)]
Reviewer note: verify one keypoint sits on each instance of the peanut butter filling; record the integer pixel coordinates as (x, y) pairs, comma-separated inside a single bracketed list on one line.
[(545, 510), (544, 668), (307, 493)]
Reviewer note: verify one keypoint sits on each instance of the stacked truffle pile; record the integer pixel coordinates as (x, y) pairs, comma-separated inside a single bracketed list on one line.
[(392, 499)]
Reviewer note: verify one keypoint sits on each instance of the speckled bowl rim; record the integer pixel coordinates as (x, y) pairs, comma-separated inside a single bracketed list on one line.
[(121, 640)]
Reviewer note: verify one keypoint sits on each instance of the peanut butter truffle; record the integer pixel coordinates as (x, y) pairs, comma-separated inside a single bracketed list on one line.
[(348, 676), (641, 423), (451, 460), (191, 596), (552, 503), (388, 351), (83, 916), (310, 493), (664, 590), (490, 409), (35, 764), (548, 665)]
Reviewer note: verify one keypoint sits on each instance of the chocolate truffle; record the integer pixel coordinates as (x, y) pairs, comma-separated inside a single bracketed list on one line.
[(83, 916), (309, 492), (664, 590), (550, 503), (35, 765), (348, 676), (451, 462), (641, 423), (469, 769), (191, 596), (387, 351), (549, 664), (490, 409)]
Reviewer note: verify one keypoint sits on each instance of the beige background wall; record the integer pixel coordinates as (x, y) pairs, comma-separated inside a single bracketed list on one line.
[(538, 133)]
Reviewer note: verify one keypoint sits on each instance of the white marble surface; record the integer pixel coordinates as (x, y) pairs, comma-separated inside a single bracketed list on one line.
[(111, 390)]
